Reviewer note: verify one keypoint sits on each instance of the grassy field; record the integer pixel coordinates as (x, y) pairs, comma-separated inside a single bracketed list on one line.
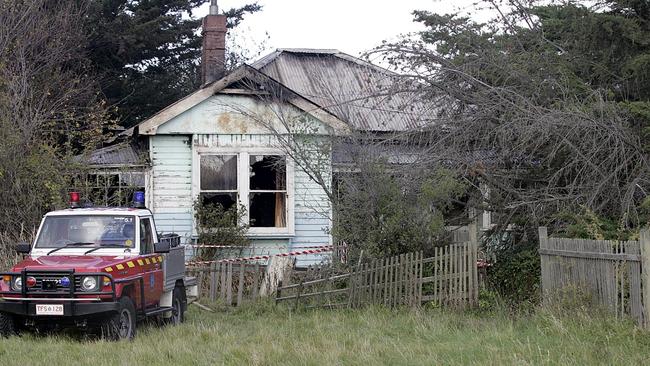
[(263, 335)]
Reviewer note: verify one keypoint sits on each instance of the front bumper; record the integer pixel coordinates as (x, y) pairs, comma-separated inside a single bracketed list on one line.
[(75, 303), (26, 308)]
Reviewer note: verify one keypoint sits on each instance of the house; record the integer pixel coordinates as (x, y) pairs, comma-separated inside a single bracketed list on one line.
[(227, 141)]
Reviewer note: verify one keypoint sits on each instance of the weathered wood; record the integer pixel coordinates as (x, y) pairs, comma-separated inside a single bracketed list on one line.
[(222, 292), (644, 246), (213, 281), (256, 281), (610, 270), (240, 287), (591, 255), (278, 292), (229, 285)]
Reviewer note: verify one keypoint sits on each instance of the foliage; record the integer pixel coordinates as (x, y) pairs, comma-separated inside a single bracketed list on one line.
[(268, 335), (553, 98), (587, 225), (384, 212), (515, 276), (49, 108), (148, 51), (216, 226)]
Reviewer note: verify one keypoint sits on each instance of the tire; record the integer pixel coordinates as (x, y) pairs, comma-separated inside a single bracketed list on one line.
[(178, 306), (123, 324), (7, 325)]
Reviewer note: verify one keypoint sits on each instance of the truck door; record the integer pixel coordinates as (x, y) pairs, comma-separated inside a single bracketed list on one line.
[(153, 274)]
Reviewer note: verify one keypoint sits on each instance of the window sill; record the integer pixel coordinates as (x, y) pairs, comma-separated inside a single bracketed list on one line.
[(270, 235)]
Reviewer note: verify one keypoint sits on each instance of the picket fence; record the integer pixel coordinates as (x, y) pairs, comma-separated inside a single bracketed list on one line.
[(449, 277)]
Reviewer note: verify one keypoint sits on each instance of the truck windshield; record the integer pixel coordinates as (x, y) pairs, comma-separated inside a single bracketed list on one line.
[(60, 231)]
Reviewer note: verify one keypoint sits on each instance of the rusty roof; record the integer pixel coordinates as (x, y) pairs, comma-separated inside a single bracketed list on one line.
[(368, 97)]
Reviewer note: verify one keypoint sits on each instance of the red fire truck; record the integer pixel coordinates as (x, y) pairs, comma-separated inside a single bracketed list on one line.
[(101, 269)]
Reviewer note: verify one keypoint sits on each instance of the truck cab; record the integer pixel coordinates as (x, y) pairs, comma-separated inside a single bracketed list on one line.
[(96, 268)]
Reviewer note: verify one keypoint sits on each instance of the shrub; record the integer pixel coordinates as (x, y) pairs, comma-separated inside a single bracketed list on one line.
[(216, 225)]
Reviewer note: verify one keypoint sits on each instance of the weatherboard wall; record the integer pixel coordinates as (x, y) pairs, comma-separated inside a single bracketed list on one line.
[(209, 127)]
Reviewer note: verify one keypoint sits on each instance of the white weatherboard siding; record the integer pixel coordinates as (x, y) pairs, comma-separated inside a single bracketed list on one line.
[(171, 158), (215, 126)]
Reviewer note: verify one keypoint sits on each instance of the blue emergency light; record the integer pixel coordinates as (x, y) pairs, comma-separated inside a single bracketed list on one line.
[(65, 282), (138, 199)]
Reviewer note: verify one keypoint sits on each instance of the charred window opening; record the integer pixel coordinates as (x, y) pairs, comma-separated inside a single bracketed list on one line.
[(219, 180), (268, 191), (109, 188)]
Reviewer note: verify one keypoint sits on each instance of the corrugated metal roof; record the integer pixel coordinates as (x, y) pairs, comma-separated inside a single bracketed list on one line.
[(123, 154), (366, 96)]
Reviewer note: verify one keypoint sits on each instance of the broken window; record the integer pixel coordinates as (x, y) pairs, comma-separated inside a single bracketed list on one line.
[(257, 182), (267, 191), (219, 180)]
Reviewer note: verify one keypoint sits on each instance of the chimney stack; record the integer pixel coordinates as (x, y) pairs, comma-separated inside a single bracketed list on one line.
[(213, 57)]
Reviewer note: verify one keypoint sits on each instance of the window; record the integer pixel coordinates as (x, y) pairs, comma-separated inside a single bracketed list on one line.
[(219, 180), (146, 239), (256, 181), (59, 231), (109, 188), (268, 191)]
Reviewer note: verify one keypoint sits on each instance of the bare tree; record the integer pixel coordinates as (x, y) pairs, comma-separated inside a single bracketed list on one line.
[(49, 106)]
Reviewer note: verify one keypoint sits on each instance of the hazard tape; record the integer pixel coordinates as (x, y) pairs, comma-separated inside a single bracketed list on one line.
[(323, 249), (253, 248)]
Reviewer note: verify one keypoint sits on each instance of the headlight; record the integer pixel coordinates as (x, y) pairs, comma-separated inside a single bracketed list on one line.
[(88, 283), (17, 283)]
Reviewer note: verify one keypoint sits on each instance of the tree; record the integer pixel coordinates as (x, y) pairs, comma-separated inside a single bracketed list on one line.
[(538, 103), (49, 107), (148, 52)]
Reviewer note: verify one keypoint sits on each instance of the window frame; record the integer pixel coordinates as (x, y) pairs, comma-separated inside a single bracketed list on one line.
[(243, 185)]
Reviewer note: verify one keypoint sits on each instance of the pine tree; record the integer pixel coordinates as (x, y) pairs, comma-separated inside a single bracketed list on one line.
[(147, 52)]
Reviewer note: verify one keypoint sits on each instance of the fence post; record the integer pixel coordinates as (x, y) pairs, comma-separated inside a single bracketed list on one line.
[(543, 237), (644, 243), (278, 292), (240, 286), (473, 238)]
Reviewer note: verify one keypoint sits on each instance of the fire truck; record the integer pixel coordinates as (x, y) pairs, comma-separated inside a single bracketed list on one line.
[(97, 269)]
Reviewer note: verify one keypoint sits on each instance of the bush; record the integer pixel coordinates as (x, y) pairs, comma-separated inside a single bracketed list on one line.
[(383, 212), (515, 273), (216, 225)]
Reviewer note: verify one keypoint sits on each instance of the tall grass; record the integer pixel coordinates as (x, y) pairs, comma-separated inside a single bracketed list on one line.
[(266, 335)]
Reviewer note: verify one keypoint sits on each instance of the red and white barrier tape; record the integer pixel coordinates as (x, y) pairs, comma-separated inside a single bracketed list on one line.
[(260, 257), (253, 247)]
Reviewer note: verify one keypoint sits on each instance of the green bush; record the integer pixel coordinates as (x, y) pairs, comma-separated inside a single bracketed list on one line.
[(218, 226), (515, 273), (383, 212)]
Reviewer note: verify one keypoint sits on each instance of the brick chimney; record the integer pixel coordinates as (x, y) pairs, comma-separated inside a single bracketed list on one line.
[(213, 57)]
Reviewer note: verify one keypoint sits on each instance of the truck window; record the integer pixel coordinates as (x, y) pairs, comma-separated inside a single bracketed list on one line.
[(59, 231), (146, 239)]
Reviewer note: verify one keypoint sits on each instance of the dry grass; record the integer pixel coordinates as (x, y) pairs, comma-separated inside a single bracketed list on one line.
[(265, 335)]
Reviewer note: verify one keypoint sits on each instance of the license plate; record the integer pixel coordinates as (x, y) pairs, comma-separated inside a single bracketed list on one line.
[(49, 309)]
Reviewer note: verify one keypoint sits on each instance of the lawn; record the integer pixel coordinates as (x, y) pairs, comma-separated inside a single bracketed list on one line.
[(264, 335)]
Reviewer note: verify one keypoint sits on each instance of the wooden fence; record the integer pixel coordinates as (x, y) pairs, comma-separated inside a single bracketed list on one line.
[(610, 272), (230, 283), (449, 277)]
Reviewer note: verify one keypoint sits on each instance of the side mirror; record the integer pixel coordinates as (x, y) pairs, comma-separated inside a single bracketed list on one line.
[(161, 247), (23, 247)]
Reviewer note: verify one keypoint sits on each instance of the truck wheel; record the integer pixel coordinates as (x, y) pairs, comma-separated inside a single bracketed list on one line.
[(178, 308), (7, 325), (123, 324)]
